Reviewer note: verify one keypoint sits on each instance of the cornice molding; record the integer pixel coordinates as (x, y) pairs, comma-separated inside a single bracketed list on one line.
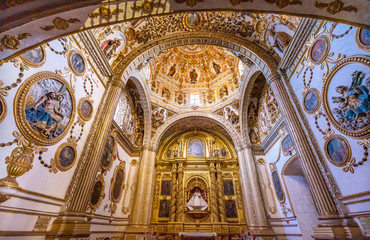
[(271, 137), (296, 48), (97, 55)]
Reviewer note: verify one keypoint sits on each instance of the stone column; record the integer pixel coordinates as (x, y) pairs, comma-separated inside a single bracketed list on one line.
[(213, 194), (180, 193), (220, 192), (173, 193), (71, 221), (253, 202), (141, 211)]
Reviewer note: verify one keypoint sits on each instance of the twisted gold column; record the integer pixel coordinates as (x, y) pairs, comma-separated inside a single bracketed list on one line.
[(214, 206), (180, 193), (173, 193), (220, 191)]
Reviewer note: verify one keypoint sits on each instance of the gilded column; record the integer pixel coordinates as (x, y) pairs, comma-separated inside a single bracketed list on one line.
[(173, 193), (180, 193), (79, 191), (220, 192), (214, 205), (320, 192)]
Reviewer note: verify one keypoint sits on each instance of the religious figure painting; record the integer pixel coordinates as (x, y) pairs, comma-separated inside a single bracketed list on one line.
[(311, 100), (48, 107), (77, 63), (85, 109), (223, 152), (363, 39), (110, 46), (107, 157), (337, 150), (193, 76), (277, 186), (164, 208), (230, 208), (166, 188), (66, 156), (228, 187), (192, 20), (287, 144), (319, 50), (195, 147), (231, 115), (34, 57), (97, 190), (117, 186), (168, 154)]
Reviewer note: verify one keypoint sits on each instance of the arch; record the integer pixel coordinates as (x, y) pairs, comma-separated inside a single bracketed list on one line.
[(229, 128), (18, 18)]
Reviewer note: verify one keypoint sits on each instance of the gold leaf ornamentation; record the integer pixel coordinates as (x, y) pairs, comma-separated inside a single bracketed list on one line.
[(190, 3), (147, 6), (12, 42), (284, 3), (60, 24), (105, 13), (335, 7)]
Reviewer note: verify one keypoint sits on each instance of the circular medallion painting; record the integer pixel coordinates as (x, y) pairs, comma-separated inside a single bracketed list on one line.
[(311, 100), (117, 185), (346, 96), (319, 50), (107, 157), (3, 109), (76, 62), (35, 57), (44, 108), (337, 150), (85, 109), (192, 21), (363, 39), (65, 156)]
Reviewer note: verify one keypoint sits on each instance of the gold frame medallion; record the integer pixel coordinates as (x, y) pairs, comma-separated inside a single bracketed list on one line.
[(347, 146), (318, 95), (79, 108), (70, 54), (57, 157), (358, 41), (93, 207), (19, 109), (192, 28), (4, 108), (120, 166), (355, 59), (326, 39), (31, 64)]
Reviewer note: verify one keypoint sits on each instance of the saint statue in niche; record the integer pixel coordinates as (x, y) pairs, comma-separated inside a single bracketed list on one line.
[(196, 202), (231, 116), (216, 67), (172, 70), (193, 76)]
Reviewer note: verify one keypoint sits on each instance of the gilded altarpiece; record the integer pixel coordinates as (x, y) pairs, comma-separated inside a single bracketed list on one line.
[(197, 186)]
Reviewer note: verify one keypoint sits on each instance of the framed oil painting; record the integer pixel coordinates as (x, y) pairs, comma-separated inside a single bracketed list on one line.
[(164, 209), (337, 150), (44, 108), (363, 39), (76, 63), (97, 193), (168, 154), (319, 50), (230, 207), (109, 153), (3, 108), (65, 156), (287, 145), (85, 108), (195, 147), (118, 182), (278, 187), (35, 57), (223, 152), (346, 98), (166, 188), (311, 100), (228, 187), (192, 21)]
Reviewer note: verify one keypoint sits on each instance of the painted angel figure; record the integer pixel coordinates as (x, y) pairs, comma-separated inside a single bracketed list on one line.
[(196, 202)]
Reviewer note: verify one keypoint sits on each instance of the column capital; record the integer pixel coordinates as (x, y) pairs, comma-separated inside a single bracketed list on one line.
[(272, 78), (117, 81)]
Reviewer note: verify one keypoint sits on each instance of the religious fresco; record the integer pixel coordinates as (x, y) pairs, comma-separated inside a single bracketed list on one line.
[(195, 147), (35, 57), (230, 207), (77, 62), (65, 156), (166, 188)]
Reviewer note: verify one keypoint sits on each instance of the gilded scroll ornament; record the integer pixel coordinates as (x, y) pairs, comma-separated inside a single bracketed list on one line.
[(97, 193), (117, 186), (190, 3), (284, 3), (12, 42), (237, 2), (3, 108), (60, 24), (335, 7), (147, 6), (44, 108), (105, 13)]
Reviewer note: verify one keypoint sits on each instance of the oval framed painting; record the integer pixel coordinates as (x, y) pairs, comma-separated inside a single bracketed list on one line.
[(278, 186), (287, 145), (44, 108), (319, 50), (118, 182), (109, 152), (192, 21), (363, 39), (3, 108), (311, 100), (97, 193), (346, 96), (85, 108), (65, 156), (169, 153), (35, 57), (223, 152), (337, 150), (76, 62)]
